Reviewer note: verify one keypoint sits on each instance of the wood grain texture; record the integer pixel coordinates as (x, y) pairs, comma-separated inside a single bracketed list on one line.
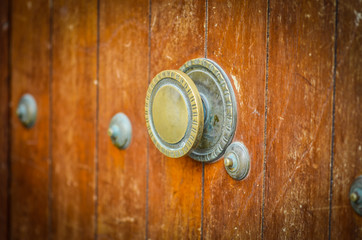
[(299, 119), (30, 147), (123, 81), (236, 41), (175, 185), (348, 126), (74, 99), (4, 119)]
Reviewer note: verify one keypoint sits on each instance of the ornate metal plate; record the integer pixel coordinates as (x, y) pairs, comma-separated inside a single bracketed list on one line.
[(219, 108)]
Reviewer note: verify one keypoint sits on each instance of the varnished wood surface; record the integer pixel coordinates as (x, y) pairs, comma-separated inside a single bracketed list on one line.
[(4, 119), (299, 119), (236, 41), (174, 185), (123, 81), (348, 125), (30, 147), (84, 61), (74, 106)]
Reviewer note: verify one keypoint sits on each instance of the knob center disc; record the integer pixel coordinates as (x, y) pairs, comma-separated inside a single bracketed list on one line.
[(170, 115)]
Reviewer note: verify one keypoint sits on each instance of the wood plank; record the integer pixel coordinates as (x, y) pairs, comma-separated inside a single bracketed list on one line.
[(30, 147), (123, 82), (74, 102), (299, 119), (348, 126), (4, 120), (175, 185), (236, 41)]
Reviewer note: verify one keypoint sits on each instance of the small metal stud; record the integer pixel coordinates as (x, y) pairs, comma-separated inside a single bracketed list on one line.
[(27, 110), (228, 162), (120, 131), (237, 161), (355, 195)]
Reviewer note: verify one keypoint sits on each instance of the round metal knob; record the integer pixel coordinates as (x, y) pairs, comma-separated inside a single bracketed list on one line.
[(174, 113), (120, 131), (191, 111), (27, 110), (355, 195), (237, 161)]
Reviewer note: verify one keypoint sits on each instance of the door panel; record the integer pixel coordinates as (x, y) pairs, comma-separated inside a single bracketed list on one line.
[(348, 127), (123, 81), (295, 69), (236, 41), (29, 207), (174, 185), (299, 119), (74, 116)]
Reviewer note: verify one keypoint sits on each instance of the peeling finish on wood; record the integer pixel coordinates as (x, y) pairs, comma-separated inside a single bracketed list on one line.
[(348, 124), (74, 119), (175, 185), (299, 119), (29, 149), (236, 40), (123, 81)]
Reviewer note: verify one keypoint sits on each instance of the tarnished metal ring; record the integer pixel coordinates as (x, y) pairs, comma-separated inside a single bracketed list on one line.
[(220, 122)]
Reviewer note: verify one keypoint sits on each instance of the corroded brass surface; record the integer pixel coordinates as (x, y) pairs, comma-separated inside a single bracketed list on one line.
[(192, 111), (174, 113), (169, 112)]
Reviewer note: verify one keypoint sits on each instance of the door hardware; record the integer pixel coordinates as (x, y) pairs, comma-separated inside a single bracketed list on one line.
[(191, 111), (355, 195), (27, 110), (237, 161), (120, 131)]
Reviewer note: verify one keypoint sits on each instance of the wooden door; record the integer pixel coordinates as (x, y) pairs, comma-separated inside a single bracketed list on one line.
[(295, 67)]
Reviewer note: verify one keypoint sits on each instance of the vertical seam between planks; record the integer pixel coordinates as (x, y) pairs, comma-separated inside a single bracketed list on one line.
[(203, 164), (333, 119), (148, 141), (202, 200), (96, 129), (9, 175), (50, 147), (265, 114), (206, 25)]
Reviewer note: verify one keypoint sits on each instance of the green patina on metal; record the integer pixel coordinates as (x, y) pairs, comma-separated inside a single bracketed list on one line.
[(27, 110), (120, 131)]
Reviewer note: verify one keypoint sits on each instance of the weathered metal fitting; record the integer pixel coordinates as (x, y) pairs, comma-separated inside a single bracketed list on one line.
[(27, 110), (237, 161), (191, 111), (355, 195), (120, 131), (219, 103)]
